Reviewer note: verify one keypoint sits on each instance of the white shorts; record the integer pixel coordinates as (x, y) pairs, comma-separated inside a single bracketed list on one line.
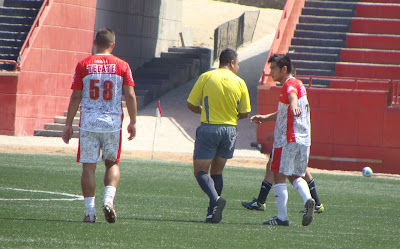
[(291, 159), (90, 144)]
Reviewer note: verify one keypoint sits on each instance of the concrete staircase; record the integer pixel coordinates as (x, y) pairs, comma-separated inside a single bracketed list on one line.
[(152, 80), (16, 19), (319, 37)]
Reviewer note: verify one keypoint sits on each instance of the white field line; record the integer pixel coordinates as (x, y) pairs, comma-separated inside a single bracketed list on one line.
[(74, 197)]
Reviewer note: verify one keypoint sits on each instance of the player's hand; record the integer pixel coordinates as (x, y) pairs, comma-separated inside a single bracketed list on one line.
[(257, 119), (296, 111), (131, 131), (67, 133)]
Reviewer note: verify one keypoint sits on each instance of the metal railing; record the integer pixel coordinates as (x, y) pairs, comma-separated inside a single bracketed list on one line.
[(17, 63)]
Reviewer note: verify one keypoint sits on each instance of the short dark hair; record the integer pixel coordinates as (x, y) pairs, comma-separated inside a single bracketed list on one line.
[(281, 60), (105, 37), (227, 56)]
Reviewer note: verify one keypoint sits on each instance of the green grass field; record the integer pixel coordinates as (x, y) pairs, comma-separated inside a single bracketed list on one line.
[(160, 205)]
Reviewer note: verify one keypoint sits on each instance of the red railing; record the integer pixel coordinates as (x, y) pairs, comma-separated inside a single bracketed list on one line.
[(393, 87), (17, 63), (34, 25)]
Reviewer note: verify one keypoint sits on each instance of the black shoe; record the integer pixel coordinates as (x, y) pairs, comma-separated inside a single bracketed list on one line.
[(254, 205), (216, 215), (276, 222), (309, 215)]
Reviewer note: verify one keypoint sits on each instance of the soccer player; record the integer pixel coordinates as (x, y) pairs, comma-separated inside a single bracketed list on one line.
[(97, 88), (292, 140), (266, 185), (225, 99)]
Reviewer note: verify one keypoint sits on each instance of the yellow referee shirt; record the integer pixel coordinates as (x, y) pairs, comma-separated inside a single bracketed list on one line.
[(223, 95)]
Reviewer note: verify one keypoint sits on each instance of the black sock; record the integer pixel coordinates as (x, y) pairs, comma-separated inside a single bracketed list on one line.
[(313, 191), (218, 184), (206, 183), (264, 191)]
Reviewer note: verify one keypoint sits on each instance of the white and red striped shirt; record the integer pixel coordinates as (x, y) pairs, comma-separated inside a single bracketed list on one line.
[(101, 77), (289, 128)]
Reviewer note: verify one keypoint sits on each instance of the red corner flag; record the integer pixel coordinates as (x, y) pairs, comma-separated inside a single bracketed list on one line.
[(158, 111)]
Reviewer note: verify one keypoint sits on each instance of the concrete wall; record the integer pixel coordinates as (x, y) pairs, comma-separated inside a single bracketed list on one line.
[(144, 28), (272, 4)]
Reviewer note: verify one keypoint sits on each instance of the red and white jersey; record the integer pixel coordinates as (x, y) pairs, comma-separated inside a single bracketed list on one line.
[(100, 77), (289, 128)]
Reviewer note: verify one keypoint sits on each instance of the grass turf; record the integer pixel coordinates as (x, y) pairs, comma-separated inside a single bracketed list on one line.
[(159, 204)]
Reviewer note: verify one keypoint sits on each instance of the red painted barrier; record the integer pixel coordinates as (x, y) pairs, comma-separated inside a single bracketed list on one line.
[(375, 26), (370, 56), (389, 42), (374, 71), (350, 128), (374, 10)]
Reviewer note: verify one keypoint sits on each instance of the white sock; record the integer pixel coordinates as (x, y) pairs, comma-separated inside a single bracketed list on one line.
[(302, 188), (109, 194), (281, 197), (90, 206)]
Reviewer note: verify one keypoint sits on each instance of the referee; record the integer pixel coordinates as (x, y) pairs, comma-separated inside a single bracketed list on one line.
[(221, 97)]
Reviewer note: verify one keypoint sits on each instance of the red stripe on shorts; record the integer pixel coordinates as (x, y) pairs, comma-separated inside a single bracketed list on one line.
[(276, 159)]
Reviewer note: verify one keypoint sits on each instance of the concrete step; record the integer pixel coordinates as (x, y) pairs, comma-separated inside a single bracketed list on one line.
[(78, 114), (316, 82), (328, 12), (325, 65), (9, 50), (320, 72), (6, 67), (11, 43), (320, 35), (325, 20), (17, 20), (13, 35), (205, 59), (59, 127), (318, 42), (51, 133), (23, 3), (193, 64), (323, 27), (174, 55), (8, 56), (330, 4), (316, 50), (313, 57), (61, 120), (15, 27), (12, 11)]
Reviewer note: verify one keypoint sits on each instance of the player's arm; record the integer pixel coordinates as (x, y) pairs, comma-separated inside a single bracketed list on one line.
[(258, 119), (73, 107), (295, 109), (243, 115), (194, 108), (131, 105)]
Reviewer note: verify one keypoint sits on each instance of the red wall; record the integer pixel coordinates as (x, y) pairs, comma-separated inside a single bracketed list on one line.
[(351, 129), (8, 89), (64, 36)]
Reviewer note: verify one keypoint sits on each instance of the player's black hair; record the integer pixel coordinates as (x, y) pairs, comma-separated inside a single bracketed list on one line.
[(281, 60), (227, 56), (105, 37)]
